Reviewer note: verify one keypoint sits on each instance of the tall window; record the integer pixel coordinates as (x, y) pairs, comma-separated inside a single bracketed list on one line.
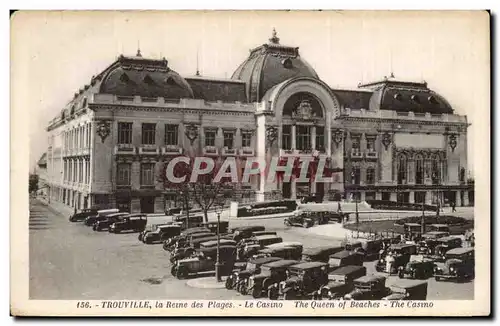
[(148, 133), (356, 143), (303, 137), (436, 169), (419, 196), (246, 139), (124, 132), (123, 174), (356, 175), (370, 176), (147, 174), (402, 168), (210, 138), (171, 135), (419, 169), (229, 139), (80, 171), (370, 144), (320, 139), (286, 137)]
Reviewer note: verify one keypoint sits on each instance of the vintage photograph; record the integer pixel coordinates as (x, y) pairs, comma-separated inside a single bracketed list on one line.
[(254, 157)]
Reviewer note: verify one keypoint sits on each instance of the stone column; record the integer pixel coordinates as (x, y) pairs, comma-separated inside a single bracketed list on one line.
[(313, 138), (378, 195), (159, 204), (328, 140), (428, 197), (293, 186), (458, 199), (293, 132), (412, 197), (394, 196), (466, 198), (362, 195)]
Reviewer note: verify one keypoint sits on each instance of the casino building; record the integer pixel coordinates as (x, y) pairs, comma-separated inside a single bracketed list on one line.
[(393, 139)]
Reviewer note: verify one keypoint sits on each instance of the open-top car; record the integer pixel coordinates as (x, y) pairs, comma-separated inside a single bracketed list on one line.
[(445, 244), (238, 279), (340, 282), (83, 214), (204, 261), (459, 265), (419, 267), (303, 280), (401, 253), (162, 233), (132, 222), (369, 287), (270, 273), (345, 258), (104, 224), (321, 253), (405, 289)]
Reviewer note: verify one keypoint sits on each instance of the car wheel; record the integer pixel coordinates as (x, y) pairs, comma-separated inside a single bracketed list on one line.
[(229, 283), (305, 225), (290, 295), (244, 289), (437, 278), (273, 294), (173, 271), (401, 274)]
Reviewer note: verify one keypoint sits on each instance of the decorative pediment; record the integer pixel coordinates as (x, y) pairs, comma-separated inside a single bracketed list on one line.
[(304, 112), (191, 132)]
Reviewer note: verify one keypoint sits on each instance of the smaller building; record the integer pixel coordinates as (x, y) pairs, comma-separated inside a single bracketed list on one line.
[(42, 175)]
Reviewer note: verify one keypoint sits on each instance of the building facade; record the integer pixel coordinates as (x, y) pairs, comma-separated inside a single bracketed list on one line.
[(392, 140)]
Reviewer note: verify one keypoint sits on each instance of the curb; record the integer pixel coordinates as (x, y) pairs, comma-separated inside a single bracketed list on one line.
[(206, 283)]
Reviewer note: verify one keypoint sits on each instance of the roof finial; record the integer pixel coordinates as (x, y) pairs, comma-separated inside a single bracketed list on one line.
[(392, 75), (274, 39), (138, 49), (197, 64)]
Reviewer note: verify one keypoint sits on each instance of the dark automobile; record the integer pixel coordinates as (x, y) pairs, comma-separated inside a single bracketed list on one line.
[(132, 222), (204, 261), (413, 230), (401, 253), (212, 226), (101, 215), (370, 287), (291, 253), (191, 222), (418, 267), (459, 265), (162, 233), (439, 228), (445, 244), (321, 253), (303, 280), (435, 235), (299, 219), (250, 246), (370, 248), (173, 211), (259, 233), (271, 273), (83, 214), (182, 238), (340, 282), (238, 279), (314, 198), (106, 222), (345, 258), (245, 232), (407, 290), (186, 251)]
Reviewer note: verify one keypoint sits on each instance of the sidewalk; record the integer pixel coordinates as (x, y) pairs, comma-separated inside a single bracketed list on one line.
[(207, 283), (58, 208)]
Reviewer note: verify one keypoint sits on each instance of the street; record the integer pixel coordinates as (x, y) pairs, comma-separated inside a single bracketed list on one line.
[(69, 261)]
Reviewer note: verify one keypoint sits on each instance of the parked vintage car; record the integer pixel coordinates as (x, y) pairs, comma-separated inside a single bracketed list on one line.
[(299, 219), (245, 232), (191, 222), (290, 253), (83, 214), (213, 243), (340, 282), (459, 265), (370, 248), (238, 279), (401, 253), (132, 222), (321, 253), (270, 273), (313, 198), (432, 235), (101, 215), (303, 280), (369, 287), (173, 211), (212, 226), (413, 230), (182, 238), (106, 222), (182, 252), (345, 258), (407, 290), (205, 262), (162, 233), (152, 223), (259, 233), (439, 228), (419, 267), (445, 244)]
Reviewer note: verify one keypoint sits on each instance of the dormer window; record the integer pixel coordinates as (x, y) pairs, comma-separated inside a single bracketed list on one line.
[(72, 110), (170, 81), (432, 99), (415, 99), (124, 78), (287, 63), (397, 96), (148, 80), (84, 103)]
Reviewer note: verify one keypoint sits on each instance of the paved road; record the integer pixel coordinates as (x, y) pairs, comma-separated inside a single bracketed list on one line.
[(70, 261)]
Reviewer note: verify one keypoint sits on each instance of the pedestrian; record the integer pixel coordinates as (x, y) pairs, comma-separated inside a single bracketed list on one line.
[(389, 260), (453, 207)]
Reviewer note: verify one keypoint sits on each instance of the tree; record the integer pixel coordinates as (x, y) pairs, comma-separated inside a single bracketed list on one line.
[(33, 183), (204, 191)]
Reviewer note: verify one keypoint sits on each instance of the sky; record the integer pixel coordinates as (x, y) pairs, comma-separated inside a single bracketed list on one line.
[(54, 54)]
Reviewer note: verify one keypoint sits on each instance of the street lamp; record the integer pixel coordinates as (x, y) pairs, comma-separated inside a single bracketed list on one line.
[(218, 210)]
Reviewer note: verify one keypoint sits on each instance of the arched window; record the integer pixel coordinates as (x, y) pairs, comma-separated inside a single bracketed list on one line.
[(402, 168), (436, 169), (419, 169)]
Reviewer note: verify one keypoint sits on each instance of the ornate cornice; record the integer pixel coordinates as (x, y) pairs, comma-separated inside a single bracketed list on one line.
[(402, 121), (208, 111)]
